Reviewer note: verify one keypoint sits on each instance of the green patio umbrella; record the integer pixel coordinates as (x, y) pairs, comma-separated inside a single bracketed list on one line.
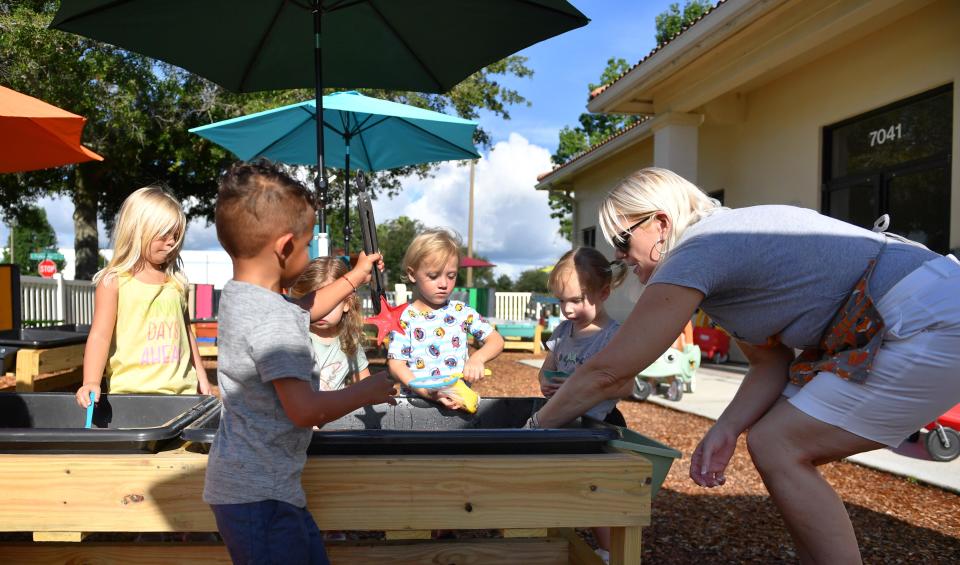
[(251, 45), (376, 134)]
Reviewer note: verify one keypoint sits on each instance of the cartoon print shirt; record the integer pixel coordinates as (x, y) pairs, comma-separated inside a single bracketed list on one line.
[(434, 343), (331, 365), (151, 349)]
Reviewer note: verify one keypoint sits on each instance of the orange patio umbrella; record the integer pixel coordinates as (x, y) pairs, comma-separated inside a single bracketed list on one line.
[(35, 135)]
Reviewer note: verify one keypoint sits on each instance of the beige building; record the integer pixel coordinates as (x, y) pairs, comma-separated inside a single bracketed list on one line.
[(844, 106)]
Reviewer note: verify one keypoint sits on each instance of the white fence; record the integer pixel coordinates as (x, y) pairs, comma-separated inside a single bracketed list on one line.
[(512, 305), (56, 300), (367, 303)]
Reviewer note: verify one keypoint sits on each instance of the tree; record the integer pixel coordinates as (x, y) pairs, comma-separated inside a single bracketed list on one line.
[(138, 112), (593, 129), (671, 22), (32, 233), (503, 284), (532, 280), (394, 237)]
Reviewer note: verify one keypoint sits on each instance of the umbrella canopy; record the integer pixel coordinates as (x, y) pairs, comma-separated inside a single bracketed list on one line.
[(360, 132), (251, 45), (476, 263), (35, 135)]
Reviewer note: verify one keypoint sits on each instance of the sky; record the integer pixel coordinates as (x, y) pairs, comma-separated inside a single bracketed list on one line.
[(512, 224)]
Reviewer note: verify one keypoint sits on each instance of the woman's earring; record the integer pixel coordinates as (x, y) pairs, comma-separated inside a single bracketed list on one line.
[(659, 248)]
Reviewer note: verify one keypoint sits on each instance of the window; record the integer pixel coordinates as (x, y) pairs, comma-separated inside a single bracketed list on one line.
[(894, 160), (588, 236)]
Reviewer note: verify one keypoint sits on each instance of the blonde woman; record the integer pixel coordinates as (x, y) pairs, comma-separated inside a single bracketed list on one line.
[(140, 336), (877, 318), (337, 338)]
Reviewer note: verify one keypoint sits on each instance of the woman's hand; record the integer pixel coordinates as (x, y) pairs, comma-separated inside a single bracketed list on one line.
[(710, 458)]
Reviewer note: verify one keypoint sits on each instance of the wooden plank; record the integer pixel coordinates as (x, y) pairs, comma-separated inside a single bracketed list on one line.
[(207, 350), (34, 362), (549, 551), (58, 381), (162, 492), (71, 537), (407, 534), (625, 546), (525, 533), (579, 552)]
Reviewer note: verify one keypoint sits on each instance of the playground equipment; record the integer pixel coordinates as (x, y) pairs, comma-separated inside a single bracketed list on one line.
[(943, 439), (676, 368), (713, 341), (520, 335), (404, 469)]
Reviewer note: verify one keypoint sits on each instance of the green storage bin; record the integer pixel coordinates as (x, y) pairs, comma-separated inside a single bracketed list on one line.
[(660, 455)]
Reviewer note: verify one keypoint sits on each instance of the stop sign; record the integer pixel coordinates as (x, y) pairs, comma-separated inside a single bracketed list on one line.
[(47, 268)]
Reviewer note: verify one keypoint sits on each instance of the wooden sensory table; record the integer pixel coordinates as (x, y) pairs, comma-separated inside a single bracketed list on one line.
[(45, 369), (536, 500)]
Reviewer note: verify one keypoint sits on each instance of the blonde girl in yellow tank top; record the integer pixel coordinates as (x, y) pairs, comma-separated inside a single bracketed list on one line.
[(140, 337)]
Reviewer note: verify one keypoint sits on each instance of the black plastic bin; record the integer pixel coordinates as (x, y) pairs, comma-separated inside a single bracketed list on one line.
[(418, 427), (40, 338), (52, 422)]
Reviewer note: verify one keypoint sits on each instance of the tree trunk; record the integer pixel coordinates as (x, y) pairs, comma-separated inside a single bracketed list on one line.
[(86, 241)]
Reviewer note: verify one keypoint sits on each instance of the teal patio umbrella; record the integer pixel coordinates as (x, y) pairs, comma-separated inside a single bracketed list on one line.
[(361, 132), (251, 45)]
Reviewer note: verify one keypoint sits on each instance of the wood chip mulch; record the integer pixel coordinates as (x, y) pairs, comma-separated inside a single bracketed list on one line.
[(896, 519)]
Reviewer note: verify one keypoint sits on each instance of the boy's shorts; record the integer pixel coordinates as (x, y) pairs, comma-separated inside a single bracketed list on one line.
[(270, 531)]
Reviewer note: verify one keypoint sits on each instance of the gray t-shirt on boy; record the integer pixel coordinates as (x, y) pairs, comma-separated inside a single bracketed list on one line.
[(570, 351), (258, 453), (331, 364), (782, 270)]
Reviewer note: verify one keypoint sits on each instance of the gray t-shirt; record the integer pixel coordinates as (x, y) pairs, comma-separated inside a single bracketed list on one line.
[(782, 270), (331, 364), (258, 453), (570, 351)]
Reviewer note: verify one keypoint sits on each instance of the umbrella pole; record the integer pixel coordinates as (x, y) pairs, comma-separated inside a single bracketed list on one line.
[(320, 181), (346, 202)]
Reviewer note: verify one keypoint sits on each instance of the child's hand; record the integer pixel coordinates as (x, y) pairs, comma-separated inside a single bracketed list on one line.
[(365, 264), (473, 370), (445, 400), (548, 386), (203, 385), (83, 395), (377, 389)]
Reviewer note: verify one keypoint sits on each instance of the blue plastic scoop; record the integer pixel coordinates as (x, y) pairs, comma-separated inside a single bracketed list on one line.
[(90, 411)]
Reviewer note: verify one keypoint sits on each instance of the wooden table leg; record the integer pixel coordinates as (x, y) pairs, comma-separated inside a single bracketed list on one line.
[(625, 545)]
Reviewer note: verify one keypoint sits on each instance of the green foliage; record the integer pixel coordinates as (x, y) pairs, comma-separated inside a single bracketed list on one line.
[(394, 237), (138, 112), (593, 129), (532, 280), (32, 233), (670, 22), (503, 284)]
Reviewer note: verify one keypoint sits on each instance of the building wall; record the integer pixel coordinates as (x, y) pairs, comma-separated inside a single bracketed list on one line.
[(590, 188), (774, 154)]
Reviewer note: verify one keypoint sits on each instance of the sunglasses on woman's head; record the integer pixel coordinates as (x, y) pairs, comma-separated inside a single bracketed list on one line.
[(622, 240)]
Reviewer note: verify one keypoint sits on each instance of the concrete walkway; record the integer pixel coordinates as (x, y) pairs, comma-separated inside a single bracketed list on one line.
[(716, 385)]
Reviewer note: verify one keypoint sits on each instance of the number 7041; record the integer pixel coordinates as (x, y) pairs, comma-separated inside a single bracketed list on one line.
[(883, 135)]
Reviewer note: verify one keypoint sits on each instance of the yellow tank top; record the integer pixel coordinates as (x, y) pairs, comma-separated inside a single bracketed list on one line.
[(150, 350)]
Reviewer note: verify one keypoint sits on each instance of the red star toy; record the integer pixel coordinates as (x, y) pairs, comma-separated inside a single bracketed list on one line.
[(388, 320)]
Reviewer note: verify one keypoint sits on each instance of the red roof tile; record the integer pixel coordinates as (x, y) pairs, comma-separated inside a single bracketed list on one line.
[(597, 91)]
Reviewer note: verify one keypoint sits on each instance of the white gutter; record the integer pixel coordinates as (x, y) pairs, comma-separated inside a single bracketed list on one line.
[(719, 25)]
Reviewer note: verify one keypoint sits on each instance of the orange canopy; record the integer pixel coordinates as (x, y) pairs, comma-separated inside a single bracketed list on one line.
[(35, 135)]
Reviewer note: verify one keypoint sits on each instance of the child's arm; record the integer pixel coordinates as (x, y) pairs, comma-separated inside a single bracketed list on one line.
[(321, 301), (398, 368), (307, 408), (547, 386), (492, 346), (98, 341), (203, 384), (362, 375)]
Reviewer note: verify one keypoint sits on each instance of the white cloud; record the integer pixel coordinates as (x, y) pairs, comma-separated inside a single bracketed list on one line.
[(512, 224)]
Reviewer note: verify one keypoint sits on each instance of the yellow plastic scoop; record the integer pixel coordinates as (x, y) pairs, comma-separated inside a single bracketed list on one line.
[(453, 387)]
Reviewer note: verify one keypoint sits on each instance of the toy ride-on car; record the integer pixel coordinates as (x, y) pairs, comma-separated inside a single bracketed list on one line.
[(714, 343), (676, 368), (942, 438)]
